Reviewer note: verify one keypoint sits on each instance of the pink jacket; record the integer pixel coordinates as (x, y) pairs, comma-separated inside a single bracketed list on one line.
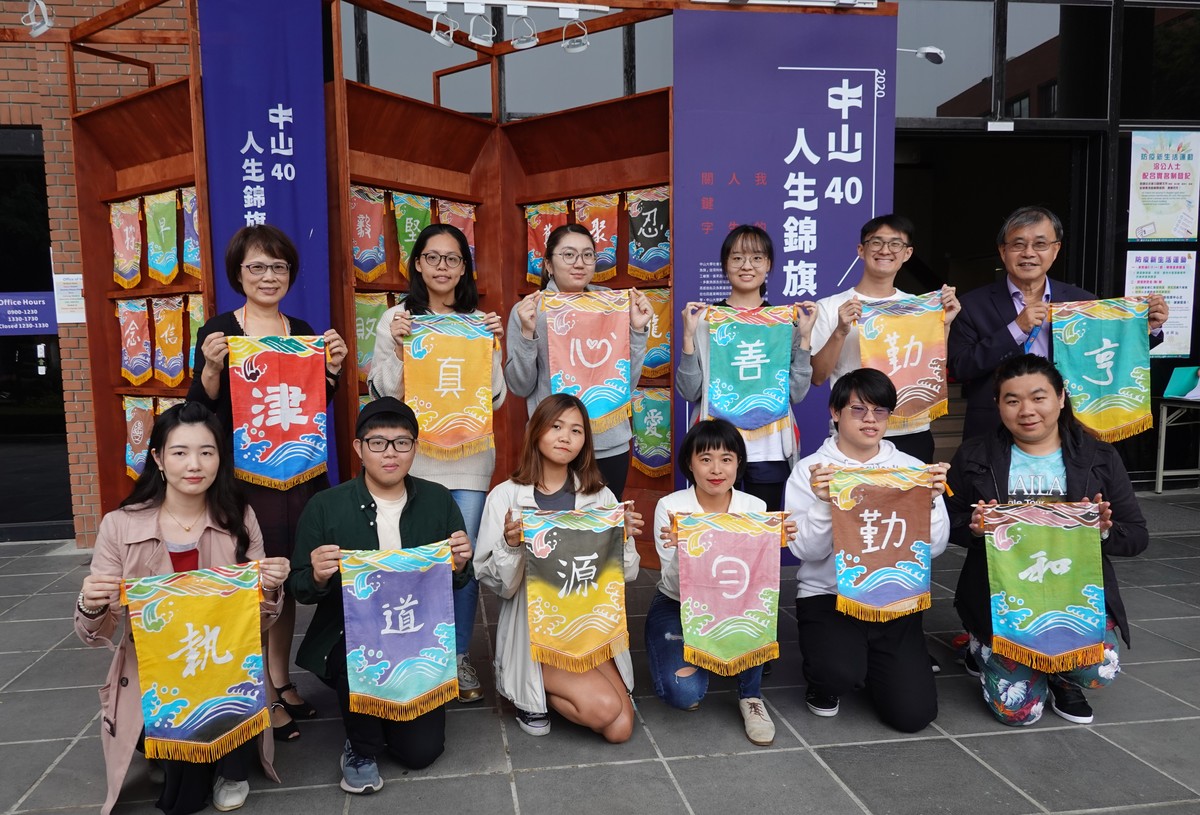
[(130, 544)]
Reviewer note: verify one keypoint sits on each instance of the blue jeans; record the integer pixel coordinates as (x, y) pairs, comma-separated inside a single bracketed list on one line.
[(466, 597), (664, 652)]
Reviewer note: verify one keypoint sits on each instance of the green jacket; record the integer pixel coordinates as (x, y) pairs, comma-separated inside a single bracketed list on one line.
[(345, 515)]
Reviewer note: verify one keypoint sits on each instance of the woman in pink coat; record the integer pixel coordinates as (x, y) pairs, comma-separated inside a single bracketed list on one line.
[(184, 513)]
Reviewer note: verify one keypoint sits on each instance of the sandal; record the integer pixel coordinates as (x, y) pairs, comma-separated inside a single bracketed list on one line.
[(284, 732), (303, 710)]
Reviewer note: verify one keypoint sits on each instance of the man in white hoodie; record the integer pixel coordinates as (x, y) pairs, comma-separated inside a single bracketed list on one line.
[(842, 653)]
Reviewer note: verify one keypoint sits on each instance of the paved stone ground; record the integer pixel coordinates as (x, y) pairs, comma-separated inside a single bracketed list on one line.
[(1142, 754)]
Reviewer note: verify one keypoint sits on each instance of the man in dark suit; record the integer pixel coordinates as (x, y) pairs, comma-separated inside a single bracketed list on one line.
[(1011, 317)]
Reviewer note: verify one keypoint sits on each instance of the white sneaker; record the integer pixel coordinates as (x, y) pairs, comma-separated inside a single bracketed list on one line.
[(759, 727), (229, 795)]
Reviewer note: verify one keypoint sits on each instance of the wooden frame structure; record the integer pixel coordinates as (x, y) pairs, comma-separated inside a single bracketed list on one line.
[(373, 137)]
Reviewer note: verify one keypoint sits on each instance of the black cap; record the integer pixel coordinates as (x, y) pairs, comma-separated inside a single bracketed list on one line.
[(386, 405)]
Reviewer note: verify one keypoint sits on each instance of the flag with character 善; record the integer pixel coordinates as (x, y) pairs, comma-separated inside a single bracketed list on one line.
[(881, 529), (750, 360), (575, 586), (200, 662)]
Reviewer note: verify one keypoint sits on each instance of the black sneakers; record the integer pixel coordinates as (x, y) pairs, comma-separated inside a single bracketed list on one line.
[(821, 704), (1069, 702)]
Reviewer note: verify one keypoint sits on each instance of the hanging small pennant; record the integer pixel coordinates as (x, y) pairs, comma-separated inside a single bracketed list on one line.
[(195, 309), (598, 214), (127, 242), (459, 215), (168, 339), (138, 422), (540, 221), (135, 340), (412, 215), (366, 232), (649, 232), (652, 431), (368, 308), (191, 231), (161, 235), (658, 347)]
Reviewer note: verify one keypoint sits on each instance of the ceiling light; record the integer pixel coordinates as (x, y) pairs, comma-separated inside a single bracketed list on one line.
[(527, 40), (579, 43), (927, 52), (38, 18), (485, 37), (444, 36)]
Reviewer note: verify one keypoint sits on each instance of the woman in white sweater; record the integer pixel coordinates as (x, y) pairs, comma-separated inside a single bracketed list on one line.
[(557, 471)]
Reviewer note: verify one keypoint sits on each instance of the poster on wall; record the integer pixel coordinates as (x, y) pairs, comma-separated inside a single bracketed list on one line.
[(795, 135), (1171, 274), (1164, 182)]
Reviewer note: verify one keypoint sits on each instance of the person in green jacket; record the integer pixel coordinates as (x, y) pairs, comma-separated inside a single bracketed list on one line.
[(383, 508)]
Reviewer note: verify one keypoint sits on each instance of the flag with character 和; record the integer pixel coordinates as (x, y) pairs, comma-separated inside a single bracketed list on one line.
[(1046, 576), (200, 663), (575, 586), (277, 390), (729, 588), (881, 529), (399, 609)]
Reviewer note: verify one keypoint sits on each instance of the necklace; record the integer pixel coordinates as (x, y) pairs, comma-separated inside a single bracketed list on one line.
[(282, 320), (182, 525)]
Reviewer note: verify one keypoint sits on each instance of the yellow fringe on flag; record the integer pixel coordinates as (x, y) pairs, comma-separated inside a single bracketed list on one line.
[(404, 711), (607, 274), (132, 473), (611, 420), (766, 430), (653, 472), (937, 411), (751, 659), (458, 451), (872, 614), (1125, 431), (642, 274), (557, 659), (1079, 658), (208, 753), (263, 481)]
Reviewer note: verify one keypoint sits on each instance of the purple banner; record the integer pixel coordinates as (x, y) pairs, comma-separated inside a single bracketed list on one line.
[(264, 132), (796, 135), (27, 312)]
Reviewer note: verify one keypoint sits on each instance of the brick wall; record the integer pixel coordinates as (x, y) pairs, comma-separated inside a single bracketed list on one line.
[(33, 83)]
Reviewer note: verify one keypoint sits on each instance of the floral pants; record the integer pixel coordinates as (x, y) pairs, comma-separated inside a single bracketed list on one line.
[(1016, 693)]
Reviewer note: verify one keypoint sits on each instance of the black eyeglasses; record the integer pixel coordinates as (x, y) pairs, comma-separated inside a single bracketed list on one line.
[(378, 444), (260, 269), (432, 259), (894, 245)]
